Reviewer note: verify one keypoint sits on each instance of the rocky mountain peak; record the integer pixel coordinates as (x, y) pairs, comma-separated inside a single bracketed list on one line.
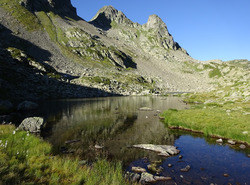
[(62, 7), (106, 15), (156, 23)]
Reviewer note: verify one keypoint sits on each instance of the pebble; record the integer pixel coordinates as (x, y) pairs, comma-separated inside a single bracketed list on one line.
[(231, 142), (225, 175), (219, 141), (170, 165), (242, 146), (180, 156)]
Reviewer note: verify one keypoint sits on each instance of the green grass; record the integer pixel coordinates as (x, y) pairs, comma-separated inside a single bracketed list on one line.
[(213, 120), (26, 159), (21, 14), (215, 72)]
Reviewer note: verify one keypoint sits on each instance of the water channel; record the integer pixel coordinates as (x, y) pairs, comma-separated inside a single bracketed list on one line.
[(107, 127)]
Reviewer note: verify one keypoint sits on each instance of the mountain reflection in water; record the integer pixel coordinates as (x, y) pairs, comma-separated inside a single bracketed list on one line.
[(106, 127)]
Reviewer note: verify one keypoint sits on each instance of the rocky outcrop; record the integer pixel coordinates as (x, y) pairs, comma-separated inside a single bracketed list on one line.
[(106, 15), (32, 124), (61, 7)]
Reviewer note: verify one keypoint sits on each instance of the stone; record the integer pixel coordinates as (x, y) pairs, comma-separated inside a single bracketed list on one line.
[(132, 177), (162, 178), (180, 157), (162, 150), (147, 178), (98, 146), (138, 169), (5, 106), (231, 142), (219, 141), (146, 109), (27, 106), (186, 169), (72, 141), (226, 175), (245, 132), (170, 165), (242, 146), (32, 124)]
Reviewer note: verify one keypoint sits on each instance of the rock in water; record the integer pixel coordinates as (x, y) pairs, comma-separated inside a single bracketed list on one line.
[(147, 178), (27, 105), (162, 178), (163, 150), (5, 107), (186, 169), (32, 124), (138, 169)]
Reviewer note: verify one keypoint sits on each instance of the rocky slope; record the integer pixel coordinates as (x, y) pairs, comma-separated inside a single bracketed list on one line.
[(47, 51)]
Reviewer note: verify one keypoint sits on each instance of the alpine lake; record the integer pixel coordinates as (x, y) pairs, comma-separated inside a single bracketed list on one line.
[(107, 128)]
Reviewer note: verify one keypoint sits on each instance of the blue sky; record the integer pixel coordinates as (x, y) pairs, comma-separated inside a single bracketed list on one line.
[(207, 29)]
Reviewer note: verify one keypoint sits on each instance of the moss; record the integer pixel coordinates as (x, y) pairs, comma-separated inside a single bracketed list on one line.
[(25, 17)]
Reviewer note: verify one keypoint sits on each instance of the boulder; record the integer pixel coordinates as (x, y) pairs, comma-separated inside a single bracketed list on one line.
[(27, 105), (32, 124), (5, 106)]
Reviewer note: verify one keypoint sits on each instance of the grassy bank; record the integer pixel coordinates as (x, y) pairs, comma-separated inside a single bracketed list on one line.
[(228, 120), (26, 159)]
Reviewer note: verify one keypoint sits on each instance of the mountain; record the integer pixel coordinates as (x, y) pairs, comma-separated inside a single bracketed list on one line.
[(47, 51)]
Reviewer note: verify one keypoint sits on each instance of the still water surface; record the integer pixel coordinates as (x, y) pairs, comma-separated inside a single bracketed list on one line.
[(80, 127)]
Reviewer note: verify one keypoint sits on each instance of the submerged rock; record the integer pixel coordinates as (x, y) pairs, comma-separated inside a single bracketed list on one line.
[(32, 124), (163, 150), (186, 169)]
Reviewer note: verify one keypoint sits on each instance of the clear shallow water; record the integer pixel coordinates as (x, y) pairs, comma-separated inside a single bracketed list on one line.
[(80, 127)]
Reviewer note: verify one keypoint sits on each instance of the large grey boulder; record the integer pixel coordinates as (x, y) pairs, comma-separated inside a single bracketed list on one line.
[(27, 105), (32, 124), (5, 106)]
